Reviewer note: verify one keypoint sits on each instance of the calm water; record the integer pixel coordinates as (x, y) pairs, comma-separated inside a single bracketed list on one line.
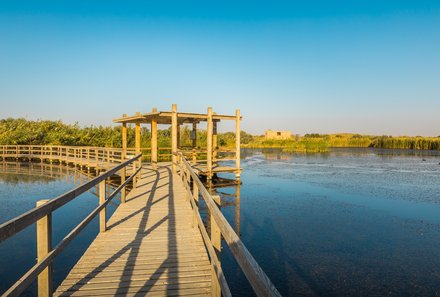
[(353, 222), (19, 193)]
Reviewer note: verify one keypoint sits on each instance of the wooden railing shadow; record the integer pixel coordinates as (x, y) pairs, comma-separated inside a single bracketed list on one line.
[(133, 247)]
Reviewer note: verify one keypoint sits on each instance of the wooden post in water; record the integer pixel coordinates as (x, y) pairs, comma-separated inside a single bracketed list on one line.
[(209, 144), (174, 137), (102, 224), (194, 142), (237, 144), (44, 246), (237, 209), (154, 141)]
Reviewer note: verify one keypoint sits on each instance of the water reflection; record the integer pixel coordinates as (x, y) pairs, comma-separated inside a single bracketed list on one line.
[(230, 198), (41, 172), (351, 222), (21, 185)]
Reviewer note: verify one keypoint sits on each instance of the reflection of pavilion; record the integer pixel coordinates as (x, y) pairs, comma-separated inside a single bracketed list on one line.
[(272, 156), (225, 199)]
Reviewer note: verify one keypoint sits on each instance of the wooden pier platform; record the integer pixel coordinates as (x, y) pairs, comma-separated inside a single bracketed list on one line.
[(150, 246)]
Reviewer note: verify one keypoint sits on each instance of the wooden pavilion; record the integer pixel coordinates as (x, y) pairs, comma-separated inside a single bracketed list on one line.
[(176, 119)]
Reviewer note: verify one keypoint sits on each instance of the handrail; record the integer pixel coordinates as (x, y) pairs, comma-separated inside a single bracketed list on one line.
[(17, 224), (88, 155), (259, 281)]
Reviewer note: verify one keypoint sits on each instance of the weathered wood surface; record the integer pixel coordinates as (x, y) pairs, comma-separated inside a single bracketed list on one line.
[(150, 246)]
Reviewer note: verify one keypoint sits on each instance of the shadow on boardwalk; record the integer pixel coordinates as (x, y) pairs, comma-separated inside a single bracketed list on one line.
[(143, 248)]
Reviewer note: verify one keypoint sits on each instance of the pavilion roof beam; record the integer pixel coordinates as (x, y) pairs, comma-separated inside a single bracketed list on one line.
[(164, 117)]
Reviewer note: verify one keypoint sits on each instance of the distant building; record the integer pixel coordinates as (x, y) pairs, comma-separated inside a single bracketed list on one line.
[(271, 134)]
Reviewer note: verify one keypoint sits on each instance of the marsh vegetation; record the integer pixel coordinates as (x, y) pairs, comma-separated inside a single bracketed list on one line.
[(22, 131)]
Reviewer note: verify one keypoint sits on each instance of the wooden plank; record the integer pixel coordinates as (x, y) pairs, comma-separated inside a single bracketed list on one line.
[(159, 290)]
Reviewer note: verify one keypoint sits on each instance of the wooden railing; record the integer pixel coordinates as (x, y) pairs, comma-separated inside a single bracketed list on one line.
[(81, 155), (42, 216), (95, 156), (221, 228)]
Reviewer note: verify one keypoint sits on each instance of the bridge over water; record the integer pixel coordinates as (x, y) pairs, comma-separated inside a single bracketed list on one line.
[(156, 242)]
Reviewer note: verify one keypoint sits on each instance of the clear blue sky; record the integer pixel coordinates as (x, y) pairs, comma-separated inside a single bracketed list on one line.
[(307, 66)]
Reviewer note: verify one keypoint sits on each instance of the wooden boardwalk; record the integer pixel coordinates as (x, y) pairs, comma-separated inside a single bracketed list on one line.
[(150, 246)]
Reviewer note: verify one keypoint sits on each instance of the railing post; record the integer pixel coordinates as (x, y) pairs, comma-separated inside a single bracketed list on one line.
[(195, 194), (216, 241), (217, 200), (88, 157), (135, 177), (123, 190), (195, 191), (44, 246), (102, 224)]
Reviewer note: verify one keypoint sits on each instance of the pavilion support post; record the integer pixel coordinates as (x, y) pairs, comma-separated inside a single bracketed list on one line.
[(178, 135), (138, 138), (44, 246), (237, 144), (174, 126), (154, 141), (194, 142), (124, 139), (214, 142), (123, 157), (209, 144)]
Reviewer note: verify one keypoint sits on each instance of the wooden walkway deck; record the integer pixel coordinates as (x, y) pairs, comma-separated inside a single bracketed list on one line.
[(150, 246)]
